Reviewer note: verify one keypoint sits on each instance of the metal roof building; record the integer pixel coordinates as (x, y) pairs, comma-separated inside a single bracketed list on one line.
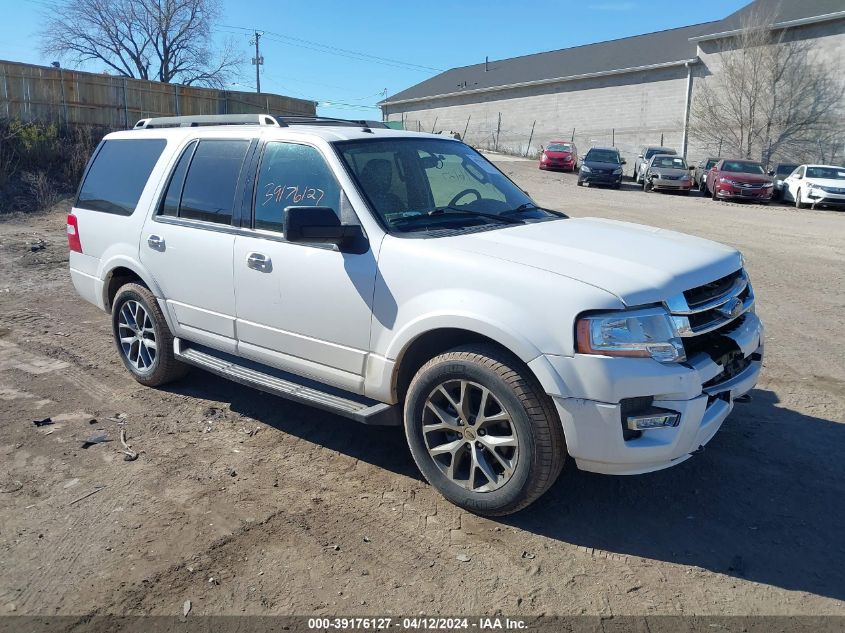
[(628, 92)]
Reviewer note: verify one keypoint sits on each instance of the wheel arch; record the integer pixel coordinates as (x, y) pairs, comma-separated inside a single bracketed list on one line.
[(119, 271)]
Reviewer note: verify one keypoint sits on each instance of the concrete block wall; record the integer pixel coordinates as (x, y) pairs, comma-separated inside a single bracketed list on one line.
[(635, 109)]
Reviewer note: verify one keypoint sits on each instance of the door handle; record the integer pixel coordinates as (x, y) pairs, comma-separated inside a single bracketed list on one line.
[(260, 262), (155, 242)]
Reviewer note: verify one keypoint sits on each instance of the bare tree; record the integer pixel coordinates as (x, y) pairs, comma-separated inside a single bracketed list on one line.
[(162, 40), (770, 96)]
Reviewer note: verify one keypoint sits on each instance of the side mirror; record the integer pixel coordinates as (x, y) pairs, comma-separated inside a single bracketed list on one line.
[(318, 225)]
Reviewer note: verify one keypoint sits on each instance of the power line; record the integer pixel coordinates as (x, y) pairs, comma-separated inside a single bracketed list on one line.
[(289, 40)]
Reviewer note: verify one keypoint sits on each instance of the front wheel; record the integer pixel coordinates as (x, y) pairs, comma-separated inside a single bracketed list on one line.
[(798, 203), (143, 338), (482, 431)]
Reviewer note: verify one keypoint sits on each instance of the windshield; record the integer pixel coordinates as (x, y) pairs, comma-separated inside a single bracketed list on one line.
[(669, 162), (559, 147), (785, 170), (828, 173), (710, 163), (741, 167), (658, 150), (415, 184), (602, 156)]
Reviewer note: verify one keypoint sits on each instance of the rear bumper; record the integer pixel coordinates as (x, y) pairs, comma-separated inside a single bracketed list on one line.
[(591, 414), (88, 286)]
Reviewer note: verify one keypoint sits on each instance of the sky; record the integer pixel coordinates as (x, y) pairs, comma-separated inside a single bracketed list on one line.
[(348, 55)]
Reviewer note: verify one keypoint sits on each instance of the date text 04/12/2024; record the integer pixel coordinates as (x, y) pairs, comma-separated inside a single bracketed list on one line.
[(418, 623)]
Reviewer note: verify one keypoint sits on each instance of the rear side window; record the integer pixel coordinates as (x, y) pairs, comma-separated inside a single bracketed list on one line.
[(209, 190), (116, 178)]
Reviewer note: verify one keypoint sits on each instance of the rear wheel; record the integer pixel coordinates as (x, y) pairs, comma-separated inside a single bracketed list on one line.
[(482, 431), (143, 338)]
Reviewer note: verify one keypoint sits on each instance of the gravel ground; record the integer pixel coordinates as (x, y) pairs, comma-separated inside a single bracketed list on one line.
[(244, 503)]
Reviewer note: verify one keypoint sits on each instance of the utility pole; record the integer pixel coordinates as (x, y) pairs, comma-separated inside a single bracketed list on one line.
[(258, 60)]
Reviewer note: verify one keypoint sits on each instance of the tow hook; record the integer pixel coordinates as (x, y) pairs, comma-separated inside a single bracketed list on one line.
[(743, 399)]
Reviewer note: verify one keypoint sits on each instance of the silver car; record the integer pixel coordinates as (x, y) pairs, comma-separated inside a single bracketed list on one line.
[(667, 172)]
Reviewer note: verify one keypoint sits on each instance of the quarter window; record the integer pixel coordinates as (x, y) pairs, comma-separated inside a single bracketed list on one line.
[(118, 175), (209, 190), (170, 203), (292, 175)]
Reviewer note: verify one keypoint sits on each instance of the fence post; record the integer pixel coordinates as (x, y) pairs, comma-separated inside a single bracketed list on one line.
[(530, 138), (466, 127), (498, 132), (64, 101), (661, 139), (176, 95), (613, 137), (573, 135), (434, 125), (125, 104)]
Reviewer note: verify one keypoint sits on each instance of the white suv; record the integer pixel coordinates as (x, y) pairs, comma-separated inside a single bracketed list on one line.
[(400, 278)]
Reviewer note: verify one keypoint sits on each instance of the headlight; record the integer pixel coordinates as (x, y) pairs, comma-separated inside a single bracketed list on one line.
[(728, 181), (585, 169), (642, 333), (616, 172), (811, 185), (544, 157)]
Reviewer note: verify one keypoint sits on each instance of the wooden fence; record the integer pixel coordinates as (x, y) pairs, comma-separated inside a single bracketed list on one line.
[(71, 97)]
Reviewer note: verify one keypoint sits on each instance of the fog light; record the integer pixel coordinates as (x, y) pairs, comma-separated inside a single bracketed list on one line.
[(652, 420)]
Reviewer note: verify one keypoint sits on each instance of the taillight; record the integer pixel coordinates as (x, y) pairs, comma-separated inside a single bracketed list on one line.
[(73, 242)]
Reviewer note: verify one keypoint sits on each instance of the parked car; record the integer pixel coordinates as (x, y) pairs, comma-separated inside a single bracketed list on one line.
[(779, 173), (701, 170), (561, 155), (644, 156), (666, 172), (393, 277), (739, 179), (601, 166), (815, 185)]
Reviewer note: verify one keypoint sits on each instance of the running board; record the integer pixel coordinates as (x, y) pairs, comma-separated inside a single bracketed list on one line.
[(287, 385)]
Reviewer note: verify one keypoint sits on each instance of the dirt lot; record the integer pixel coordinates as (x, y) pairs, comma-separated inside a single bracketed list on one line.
[(244, 503)]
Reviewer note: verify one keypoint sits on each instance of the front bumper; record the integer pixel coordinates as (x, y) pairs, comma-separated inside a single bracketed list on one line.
[(818, 196), (593, 178), (592, 388), (743, 193), (662, 184), (562, 165)]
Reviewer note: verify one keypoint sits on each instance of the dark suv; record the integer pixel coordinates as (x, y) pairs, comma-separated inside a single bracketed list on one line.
[(602, 166)]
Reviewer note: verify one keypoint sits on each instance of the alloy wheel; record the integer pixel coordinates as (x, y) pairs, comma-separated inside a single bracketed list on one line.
[(136, 333), (470, 435)]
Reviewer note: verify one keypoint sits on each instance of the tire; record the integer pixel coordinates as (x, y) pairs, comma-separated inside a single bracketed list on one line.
[(702, 188), (646, 183), (798, 203), (434, 397), (579, 183), (155, 364), (636, 175), (713, 194)]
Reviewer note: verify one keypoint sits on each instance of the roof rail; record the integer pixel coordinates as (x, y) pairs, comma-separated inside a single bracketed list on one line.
[(328, 121), (207, 119)]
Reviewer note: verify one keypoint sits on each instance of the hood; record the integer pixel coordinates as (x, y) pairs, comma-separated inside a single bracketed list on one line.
[(639, 264), (552, 154), (669, 171), (740, 177), (599, 165), (827, 182)]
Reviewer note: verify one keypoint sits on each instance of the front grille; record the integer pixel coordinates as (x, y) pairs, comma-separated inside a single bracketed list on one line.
[(710, 306), (708, 292)]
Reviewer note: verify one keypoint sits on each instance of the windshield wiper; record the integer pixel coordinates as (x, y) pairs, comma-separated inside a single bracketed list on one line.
[(456, 211), (530, 206)]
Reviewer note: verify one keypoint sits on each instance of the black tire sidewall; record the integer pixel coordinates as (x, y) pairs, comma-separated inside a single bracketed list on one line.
[(517, 487), (130, 294)]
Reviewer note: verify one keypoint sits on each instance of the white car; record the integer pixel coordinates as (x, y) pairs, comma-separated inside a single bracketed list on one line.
[(814, 185), (392, 277)]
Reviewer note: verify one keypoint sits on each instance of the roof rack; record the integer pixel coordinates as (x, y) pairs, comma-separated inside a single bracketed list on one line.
[(207, 119), (328, 121)]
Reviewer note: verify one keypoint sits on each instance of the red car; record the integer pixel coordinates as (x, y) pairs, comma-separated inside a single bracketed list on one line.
[(561, 155), (740, 179)]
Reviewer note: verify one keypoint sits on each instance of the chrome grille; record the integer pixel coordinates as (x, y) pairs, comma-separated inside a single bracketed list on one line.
[(711, 306)]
